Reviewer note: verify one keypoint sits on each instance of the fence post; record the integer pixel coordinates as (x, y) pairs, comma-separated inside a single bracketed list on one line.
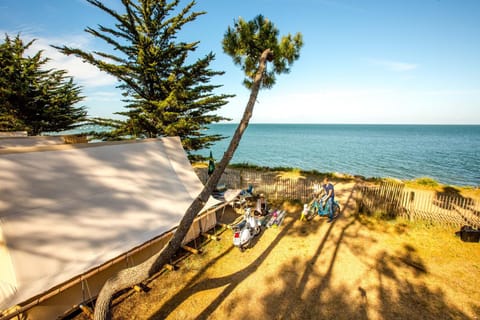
[(411, 206), (241, 179)]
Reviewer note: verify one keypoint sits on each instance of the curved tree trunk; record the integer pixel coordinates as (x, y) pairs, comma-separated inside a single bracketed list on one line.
[(134, 275)]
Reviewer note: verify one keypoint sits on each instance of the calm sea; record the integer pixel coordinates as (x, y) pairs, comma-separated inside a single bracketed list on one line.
[(448, 153)]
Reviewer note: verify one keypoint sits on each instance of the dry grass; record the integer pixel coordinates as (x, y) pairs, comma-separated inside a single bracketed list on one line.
[(358, 267)]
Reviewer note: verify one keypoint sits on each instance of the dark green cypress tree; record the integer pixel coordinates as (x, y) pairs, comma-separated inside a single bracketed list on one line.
[(33, 98), (166, 95)]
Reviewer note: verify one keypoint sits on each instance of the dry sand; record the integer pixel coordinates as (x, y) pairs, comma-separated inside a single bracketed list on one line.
[(348, 269)]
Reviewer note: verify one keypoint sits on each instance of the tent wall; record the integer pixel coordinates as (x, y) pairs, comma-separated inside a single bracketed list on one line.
[(71, 294), (202, 224), (69, 209), (66, 297)]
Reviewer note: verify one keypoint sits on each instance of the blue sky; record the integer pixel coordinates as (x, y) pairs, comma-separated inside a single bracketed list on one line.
[(384, 61)]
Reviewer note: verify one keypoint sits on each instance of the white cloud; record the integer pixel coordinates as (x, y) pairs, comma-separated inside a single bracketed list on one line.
[(324, 106), (363, 105), (101, 96), (105, 96), (103, 103), (83, 73), (453, 92), (396, 66)]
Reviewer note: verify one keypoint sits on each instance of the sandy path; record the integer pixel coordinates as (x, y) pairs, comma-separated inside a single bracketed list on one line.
[(304, 270)]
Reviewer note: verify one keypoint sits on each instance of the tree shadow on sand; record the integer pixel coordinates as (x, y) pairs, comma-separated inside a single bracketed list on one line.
[(341, 279), (450, 198), (230, 282), (394, 291)]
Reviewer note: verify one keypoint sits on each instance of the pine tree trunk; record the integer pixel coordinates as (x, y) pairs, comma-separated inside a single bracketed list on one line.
[(134, 275)]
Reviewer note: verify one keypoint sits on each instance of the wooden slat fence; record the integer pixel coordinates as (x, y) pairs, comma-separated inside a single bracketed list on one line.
[(391, 198), (275, 187), (394, 199)]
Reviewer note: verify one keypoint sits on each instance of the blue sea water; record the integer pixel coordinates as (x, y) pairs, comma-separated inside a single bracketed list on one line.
[(449, 154)]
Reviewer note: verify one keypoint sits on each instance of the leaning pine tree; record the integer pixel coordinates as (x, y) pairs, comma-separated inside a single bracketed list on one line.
[(166, 94), (251, 45)]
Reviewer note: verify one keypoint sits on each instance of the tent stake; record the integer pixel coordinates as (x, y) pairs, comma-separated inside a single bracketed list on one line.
[(191, 250), (87, 311), (141, 288), (210, 236), (170, 267)]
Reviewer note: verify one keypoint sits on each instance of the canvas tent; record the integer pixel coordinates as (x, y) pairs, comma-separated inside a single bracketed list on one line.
[(8, 142), (65, 210), (16, 141)]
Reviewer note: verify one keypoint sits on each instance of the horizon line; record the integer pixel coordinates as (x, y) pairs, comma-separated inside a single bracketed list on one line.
[(360, 123)]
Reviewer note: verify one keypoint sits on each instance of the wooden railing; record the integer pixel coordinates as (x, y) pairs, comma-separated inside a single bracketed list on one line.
[(394, 199), (391, 199), (275, 186)]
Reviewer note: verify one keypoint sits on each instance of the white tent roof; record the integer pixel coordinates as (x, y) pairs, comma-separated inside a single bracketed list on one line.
[(35, 141), (67, 209)]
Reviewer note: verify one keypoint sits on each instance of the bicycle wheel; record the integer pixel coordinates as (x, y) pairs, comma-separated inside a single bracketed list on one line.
[(312, 212), (336, 209)]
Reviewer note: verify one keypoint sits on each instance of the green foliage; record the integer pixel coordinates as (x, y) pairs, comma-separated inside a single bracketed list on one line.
[(33, 98), (247, 40), (165, 94), (426, 182), (294, 171), (246, 165)]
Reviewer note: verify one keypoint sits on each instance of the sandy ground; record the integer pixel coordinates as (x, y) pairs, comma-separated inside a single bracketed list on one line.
[(346, 269)]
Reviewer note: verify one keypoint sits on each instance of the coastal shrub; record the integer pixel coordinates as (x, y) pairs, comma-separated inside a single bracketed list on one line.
[(285, 169), (382, 215), (426, 182), (290, 174), (246, 165)]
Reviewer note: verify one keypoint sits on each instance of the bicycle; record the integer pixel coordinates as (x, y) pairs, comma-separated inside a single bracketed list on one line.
[(316, 207)]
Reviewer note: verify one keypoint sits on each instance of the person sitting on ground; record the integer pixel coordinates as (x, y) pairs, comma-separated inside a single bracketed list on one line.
[(261, 207), (329, 197)]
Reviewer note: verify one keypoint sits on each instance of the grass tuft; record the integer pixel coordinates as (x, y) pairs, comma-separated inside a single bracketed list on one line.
[(426, 182)]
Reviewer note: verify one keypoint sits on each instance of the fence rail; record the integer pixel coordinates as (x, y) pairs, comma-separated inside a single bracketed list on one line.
[(394, 199), (391, 198), (275, 186)]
